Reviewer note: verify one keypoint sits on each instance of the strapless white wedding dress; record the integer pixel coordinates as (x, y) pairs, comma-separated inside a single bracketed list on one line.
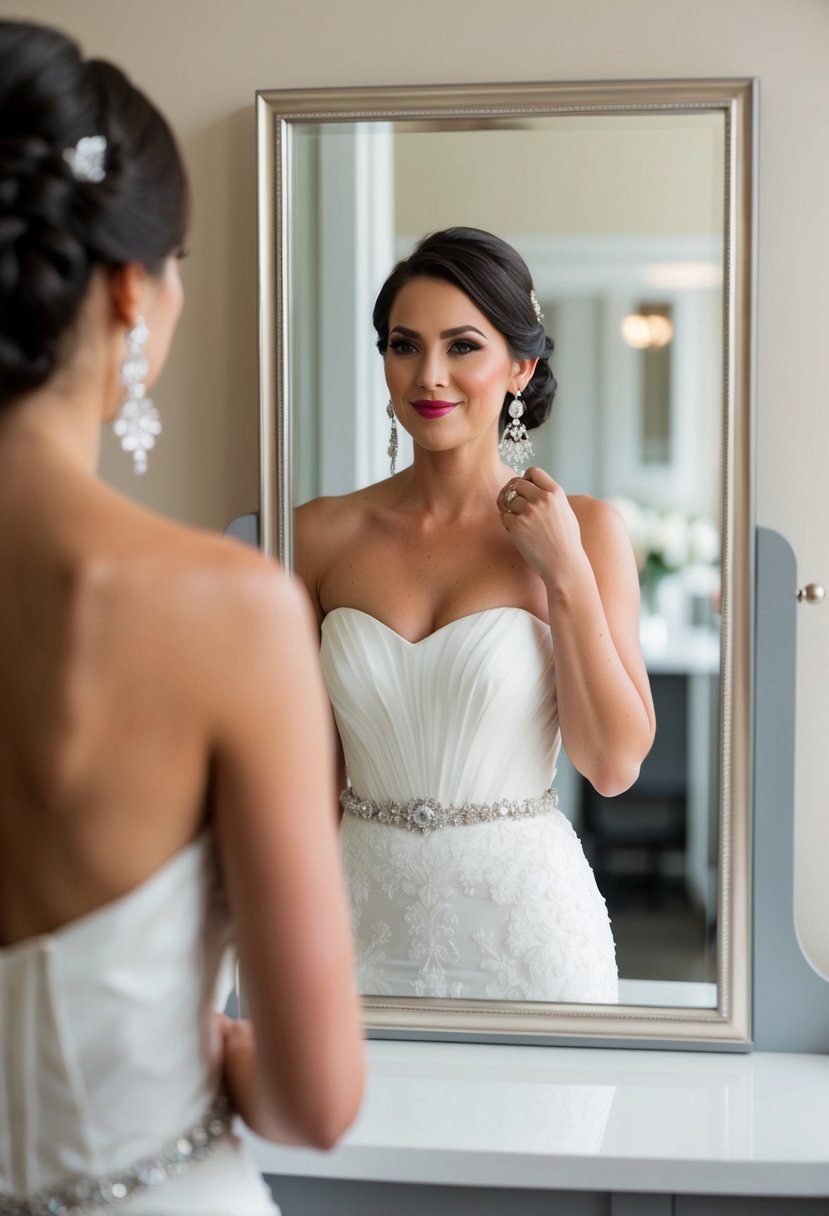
[(507, 909), (105, 1059)]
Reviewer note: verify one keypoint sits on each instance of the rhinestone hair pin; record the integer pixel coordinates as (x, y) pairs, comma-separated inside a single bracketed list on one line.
[(539, 315), (86, 159)]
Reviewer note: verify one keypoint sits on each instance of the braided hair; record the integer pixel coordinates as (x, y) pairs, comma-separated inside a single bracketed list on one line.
[(56, 227)]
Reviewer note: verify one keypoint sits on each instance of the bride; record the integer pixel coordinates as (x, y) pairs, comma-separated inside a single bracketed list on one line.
[(473, 621), (166, 766)]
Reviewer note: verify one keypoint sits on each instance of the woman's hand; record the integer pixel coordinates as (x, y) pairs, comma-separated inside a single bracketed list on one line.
[(235, 1047), (583, 554), (542, 524)]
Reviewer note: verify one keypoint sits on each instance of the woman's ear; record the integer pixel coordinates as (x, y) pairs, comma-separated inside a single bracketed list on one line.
[(128, 288), (524, 372)]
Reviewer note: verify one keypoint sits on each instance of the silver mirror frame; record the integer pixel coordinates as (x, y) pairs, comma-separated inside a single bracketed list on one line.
[(728, 1027)]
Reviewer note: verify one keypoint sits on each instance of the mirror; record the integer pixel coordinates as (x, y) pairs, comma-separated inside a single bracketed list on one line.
[(632, 206)]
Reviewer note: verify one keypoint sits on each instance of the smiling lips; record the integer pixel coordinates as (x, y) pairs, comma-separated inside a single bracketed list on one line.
[(433, 409)]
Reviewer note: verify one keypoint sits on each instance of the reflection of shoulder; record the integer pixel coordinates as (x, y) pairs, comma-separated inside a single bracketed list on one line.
[(332, 519), (324, 530), (599, 522), (589, 510)]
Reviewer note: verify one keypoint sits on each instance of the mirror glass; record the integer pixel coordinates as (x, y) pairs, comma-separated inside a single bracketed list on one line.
[(623, 219)]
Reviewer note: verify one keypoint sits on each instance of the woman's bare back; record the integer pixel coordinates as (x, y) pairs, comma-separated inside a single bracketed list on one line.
[(113, 633)]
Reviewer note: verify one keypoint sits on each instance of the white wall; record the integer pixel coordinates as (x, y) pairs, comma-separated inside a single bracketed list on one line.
[(201, 60)]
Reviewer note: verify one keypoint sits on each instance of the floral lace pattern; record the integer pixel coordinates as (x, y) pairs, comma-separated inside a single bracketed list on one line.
[(501, 911)]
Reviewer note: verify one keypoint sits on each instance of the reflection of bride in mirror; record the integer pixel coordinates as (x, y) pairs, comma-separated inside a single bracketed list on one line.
[(472, 621)]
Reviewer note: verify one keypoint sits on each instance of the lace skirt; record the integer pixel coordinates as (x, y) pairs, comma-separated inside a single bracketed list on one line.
[(505, 910)]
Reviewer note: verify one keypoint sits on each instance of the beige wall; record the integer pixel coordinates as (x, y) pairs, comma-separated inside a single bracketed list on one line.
[(657, 176), (202, 60)]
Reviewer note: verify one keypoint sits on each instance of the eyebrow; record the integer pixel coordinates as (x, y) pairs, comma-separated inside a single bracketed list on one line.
[(446, 333)]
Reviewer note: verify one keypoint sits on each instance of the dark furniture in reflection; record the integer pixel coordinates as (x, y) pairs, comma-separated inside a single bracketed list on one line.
[(637, 840)]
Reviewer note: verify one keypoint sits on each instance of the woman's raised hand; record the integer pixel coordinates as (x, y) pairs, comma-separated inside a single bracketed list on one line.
[(542, 524)]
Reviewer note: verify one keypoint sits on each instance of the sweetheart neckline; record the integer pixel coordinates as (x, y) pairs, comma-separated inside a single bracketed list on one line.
[(78, 923), (467, 616)]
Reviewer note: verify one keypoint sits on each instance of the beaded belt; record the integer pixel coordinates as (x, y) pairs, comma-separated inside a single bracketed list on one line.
[(83, 1193), (427, 814)]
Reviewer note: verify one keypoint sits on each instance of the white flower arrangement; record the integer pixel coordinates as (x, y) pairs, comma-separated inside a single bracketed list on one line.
[(667, 540)]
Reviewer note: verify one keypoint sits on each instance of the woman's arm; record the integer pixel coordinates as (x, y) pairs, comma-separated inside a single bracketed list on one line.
[(582, 552), (299, 1078), (313, 537)]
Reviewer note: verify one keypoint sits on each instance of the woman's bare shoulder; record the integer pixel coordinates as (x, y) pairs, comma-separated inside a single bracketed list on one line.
[(333, 516), (175, 574), (327, 528), (604, 536), (595, 514)]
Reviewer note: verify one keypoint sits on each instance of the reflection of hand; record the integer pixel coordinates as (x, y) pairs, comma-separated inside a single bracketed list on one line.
[(541, 523)]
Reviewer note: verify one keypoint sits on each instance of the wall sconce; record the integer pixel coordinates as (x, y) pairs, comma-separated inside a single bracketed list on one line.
[(645, 331)]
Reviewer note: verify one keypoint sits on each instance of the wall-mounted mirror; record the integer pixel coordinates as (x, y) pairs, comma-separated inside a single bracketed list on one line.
[(632, 205)]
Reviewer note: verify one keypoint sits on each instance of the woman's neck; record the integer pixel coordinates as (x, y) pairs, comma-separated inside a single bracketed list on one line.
[(63, 425), (456, 484), (63, 417)]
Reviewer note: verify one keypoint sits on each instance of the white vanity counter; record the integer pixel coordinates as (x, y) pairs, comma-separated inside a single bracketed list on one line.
[(575, 1119)]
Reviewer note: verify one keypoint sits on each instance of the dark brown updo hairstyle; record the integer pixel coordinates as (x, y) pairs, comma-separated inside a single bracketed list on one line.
[(54, 229), (497, 281)]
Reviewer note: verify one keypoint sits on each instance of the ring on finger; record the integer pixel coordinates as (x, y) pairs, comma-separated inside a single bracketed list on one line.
[(509, 495)]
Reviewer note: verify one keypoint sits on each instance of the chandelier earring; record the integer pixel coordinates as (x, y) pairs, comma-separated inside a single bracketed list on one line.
[(515, 447), (391, 451), (138, 423)]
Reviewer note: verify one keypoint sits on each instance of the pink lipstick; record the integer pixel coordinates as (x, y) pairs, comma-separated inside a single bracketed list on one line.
[(433, 409)]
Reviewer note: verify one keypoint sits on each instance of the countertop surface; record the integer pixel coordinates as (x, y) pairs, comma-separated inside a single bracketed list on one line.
[(582, 1119)]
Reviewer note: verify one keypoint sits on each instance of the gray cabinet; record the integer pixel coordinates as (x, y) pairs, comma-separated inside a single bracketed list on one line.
[(335, 1197)]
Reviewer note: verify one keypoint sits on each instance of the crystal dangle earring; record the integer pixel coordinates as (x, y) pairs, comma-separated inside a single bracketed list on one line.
[(138, 423), (515, 446), (392, 448)]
